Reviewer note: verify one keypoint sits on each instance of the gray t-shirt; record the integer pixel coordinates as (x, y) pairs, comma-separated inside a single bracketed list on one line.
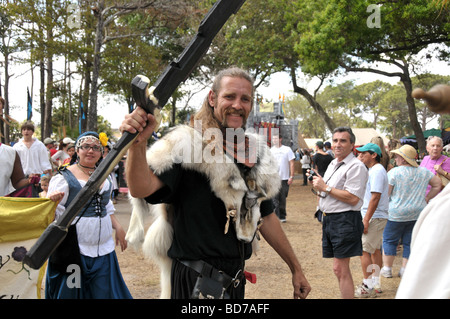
[(377, 183)]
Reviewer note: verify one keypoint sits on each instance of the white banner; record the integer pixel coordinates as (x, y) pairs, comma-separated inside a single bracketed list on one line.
[(17, 280)]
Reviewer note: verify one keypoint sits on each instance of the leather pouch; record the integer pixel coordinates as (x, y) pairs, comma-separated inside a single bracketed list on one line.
[(207, 288)]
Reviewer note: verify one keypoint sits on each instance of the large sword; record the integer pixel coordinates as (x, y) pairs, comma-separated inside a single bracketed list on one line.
[(152, 102)]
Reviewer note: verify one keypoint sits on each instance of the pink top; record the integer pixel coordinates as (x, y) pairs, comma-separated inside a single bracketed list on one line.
[(428, 163)]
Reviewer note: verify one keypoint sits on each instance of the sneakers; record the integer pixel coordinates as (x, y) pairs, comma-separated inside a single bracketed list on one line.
[(386, 273), (362, 291), (377, 288)]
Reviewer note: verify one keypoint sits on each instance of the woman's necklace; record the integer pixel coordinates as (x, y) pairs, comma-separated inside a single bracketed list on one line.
[(90, 169)]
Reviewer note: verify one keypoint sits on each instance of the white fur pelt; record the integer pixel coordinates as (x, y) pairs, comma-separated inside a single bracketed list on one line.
[(156, 242), (242, 197)]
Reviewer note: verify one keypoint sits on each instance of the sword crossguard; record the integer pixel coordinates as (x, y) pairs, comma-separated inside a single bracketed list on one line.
[(143, 96)]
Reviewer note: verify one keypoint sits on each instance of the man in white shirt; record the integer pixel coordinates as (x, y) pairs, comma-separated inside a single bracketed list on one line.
[(341, 193), (32, 152), (285, 158), (375, 214)]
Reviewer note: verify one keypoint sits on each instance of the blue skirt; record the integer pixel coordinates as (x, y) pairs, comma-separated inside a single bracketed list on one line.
[(97, 278)]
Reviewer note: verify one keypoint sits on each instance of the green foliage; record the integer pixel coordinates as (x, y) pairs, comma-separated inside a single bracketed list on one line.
[(117, 71), (266, 36), (257, 40), (136, 41), (330, 33), (376, 104)]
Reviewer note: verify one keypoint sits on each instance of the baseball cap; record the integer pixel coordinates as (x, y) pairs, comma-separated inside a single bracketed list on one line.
[(369, 147), (68, 140), (48, 140)]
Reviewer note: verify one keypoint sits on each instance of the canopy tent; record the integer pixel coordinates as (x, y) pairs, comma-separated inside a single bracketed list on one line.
[(364, 135), (311, 142), (301, 141), (426, 134)]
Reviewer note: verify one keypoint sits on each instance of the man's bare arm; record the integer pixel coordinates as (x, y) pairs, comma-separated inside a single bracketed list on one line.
[(141, 180), (275, 236), (18, 179)]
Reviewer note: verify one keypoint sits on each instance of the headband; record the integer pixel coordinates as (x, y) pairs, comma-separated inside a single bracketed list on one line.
[(101, 138)]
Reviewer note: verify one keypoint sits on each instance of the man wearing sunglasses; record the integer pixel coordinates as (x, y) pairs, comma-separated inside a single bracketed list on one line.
[(342, 191)]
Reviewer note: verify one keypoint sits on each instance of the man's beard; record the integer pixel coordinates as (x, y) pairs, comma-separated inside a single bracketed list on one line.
[(231, 110)]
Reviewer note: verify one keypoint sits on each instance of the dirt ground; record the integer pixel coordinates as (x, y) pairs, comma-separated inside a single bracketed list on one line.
[(273, 275)]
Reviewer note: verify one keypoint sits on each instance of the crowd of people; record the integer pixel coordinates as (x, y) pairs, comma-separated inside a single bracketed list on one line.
[(58, 173), (369, 199), (385, 199)]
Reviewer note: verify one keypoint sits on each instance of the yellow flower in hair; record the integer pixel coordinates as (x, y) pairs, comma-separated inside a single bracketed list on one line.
[(103, 139)]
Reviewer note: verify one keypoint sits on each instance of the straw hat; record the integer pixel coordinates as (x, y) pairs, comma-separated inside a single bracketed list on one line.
[(408, 153)]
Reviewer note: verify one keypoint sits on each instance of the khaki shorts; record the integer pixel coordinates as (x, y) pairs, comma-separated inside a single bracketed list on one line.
[(374, 237)]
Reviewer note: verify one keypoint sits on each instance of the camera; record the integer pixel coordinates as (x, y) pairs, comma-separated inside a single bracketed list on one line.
[(311, 175)]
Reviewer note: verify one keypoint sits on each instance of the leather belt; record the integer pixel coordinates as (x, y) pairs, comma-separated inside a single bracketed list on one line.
[(205, 269), (336, 213)]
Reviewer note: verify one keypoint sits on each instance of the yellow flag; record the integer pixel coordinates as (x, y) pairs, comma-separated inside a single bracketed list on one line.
[(24, 218), (22, 221)]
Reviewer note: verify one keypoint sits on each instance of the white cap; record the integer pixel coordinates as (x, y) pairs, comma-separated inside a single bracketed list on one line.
[(68, 140)]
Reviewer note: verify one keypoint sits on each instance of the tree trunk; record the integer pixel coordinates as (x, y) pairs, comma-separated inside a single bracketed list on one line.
[(84, 95), (42, 94), (92, 112), (47, 127), (312, 101), (174, 110), (6, 97), (394, 128), (85, 99), (69, 104), (407, 83)]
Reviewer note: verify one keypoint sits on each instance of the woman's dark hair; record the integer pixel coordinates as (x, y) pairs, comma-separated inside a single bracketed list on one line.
[(74, 158)]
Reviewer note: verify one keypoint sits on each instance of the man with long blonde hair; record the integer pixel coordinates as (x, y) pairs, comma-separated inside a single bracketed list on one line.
[(213, 203), (209, 115)]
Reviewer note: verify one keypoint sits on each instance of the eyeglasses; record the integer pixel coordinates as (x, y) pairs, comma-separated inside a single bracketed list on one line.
[(95, 148), (318, 193)]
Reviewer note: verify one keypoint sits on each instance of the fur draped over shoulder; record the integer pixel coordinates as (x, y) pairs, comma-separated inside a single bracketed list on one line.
[(204, 153), (186, 146)]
